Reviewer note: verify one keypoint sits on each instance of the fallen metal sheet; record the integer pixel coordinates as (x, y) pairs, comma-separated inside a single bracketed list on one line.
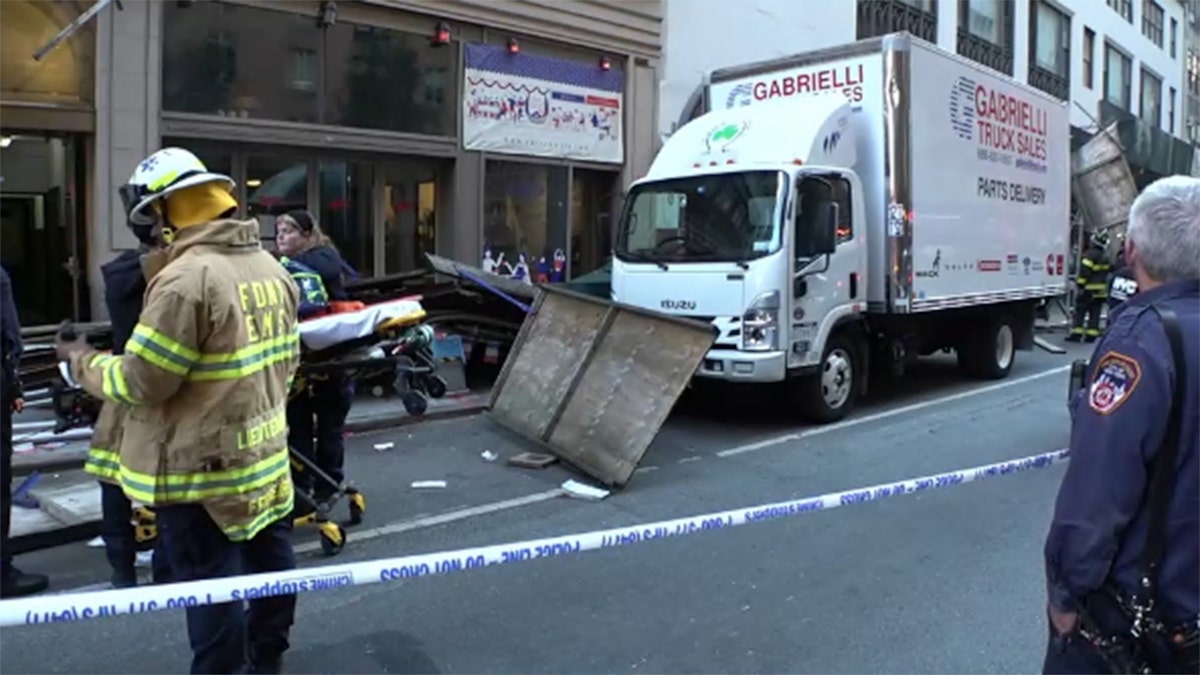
[(1103, 183), (593, 381), (1048, 345), (455, 269)]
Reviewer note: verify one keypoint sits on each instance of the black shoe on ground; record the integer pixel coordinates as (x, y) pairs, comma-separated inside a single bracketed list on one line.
[(1074, 338), (124, 580), (1089, 339), (17, 584)]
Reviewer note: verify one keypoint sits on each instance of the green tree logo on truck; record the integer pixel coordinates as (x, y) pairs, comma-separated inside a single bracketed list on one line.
[(721, 137)]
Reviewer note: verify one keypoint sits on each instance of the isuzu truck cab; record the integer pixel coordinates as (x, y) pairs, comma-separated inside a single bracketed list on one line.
[(844, 212)]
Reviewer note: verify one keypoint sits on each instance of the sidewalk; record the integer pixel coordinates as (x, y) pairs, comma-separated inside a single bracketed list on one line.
[(368, 414), (68, 500)]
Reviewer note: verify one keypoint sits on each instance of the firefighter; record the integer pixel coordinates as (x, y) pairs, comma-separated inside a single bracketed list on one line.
[(316, 415), (1091, 291), (206, 373)]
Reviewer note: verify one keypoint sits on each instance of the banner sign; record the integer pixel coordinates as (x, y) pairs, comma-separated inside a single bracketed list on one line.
[(520, 104)]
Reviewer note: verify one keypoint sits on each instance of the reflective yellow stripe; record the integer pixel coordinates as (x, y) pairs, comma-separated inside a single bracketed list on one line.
[(248, 360), (161, 350), (112, 379), (1087, 263), (1095, 287), (103, 463), (261, 521), (163, 182), (199, 486)]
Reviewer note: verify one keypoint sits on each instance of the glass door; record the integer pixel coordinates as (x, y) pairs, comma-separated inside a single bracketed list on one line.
[(409, 214)]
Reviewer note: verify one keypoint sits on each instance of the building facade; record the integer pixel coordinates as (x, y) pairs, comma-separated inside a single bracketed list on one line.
[(498, 133), (1108, 57)]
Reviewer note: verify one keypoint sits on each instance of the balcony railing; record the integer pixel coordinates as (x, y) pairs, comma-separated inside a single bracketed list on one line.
[(1052, 83), (987, 53), (880, 17)]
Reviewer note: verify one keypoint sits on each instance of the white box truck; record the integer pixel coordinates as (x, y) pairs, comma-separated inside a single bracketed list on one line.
[(845, 211)]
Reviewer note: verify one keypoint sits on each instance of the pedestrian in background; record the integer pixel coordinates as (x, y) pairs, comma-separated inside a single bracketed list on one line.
[(317, 414), (13, 582), (1125, 537)]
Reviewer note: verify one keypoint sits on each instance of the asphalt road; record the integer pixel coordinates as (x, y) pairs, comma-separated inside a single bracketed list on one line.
[(943, 581)]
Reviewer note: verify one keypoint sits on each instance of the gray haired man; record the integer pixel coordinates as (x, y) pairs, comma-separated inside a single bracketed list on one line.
[(1094, 550)]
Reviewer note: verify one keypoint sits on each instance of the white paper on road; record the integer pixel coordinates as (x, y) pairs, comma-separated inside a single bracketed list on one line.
[(81, 606)]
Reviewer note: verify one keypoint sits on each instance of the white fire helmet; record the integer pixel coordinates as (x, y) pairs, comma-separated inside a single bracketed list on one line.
[(160, 174)]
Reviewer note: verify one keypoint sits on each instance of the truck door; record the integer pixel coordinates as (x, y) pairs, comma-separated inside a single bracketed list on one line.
[(827, 265)]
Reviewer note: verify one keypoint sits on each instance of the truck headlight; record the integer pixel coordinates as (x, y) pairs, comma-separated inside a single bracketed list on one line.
[(760, 324)]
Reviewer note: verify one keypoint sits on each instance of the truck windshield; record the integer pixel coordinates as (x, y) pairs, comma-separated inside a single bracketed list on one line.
[(720, 217)]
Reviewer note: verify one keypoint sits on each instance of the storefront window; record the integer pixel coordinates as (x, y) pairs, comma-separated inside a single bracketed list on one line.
[(592, 203), (238, 61), (384, 79), (524, 224), (274, 186), (66, 74), (346, 212)]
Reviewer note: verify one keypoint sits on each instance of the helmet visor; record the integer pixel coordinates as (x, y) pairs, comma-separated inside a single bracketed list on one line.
[(131, 195)]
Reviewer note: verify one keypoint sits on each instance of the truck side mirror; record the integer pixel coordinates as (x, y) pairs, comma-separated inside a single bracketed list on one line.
[(824, 234)]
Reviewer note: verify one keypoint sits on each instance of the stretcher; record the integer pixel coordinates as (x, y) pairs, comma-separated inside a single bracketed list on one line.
[(384, 343)]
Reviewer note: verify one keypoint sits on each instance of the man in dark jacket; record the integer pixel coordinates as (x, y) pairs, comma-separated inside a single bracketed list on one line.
[(1101, 517), (1123, 284), (13, 582), (124, 291)]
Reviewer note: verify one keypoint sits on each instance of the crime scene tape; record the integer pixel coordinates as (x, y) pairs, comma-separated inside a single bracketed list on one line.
[(95, 604)]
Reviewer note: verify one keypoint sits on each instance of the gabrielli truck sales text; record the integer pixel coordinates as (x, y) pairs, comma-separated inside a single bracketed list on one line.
[(847, 79), (1009, 124)]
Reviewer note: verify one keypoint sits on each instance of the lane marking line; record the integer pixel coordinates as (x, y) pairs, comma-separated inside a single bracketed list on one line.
[(817, 431)]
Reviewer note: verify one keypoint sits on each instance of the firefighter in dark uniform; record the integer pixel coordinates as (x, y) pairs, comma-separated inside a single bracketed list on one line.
[(1091, 291), (1101, 520), (1123, 284), (316, 415)]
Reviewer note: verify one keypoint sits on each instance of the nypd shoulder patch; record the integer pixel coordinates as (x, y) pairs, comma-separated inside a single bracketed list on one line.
[(1115, 378)]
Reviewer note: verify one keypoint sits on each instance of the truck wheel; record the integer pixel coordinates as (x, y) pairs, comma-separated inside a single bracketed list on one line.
[(988, 353), (829, 394)]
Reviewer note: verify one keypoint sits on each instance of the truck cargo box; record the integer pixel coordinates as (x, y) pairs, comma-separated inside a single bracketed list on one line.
[(966, 172)]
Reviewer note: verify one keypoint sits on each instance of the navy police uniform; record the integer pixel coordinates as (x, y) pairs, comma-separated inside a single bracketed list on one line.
[(317, 415), (1100, 519)]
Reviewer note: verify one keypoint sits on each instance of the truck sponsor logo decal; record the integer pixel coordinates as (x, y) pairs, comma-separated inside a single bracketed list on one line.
[(846, 79), (720, 138), (1008, 129), (989, 266)]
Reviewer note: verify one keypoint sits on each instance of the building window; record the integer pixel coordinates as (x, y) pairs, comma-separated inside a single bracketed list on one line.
[(1123, 7), (1089, 53), (880, 17), (385, 79), (1174, 37), (985, 33), (1050, 51), (1152, 21), (304, 70), (524, 219), (1171, 110), (1118, 71), (1151, 103)]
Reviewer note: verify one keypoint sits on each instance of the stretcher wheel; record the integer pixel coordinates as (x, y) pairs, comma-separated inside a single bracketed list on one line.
[(358, 506), (435, 386), (414, 403), (145, 532), (333, 538), (143, 515)]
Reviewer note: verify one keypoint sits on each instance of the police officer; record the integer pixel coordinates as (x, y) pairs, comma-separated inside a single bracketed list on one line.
[(1123, 285), (316, 415), (13, 582), (124, 287), (1091, 291), (1100, 520), (207, 373)]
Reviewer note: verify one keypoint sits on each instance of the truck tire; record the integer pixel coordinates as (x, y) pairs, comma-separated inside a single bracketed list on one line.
[(988, 352), (829, 394)]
